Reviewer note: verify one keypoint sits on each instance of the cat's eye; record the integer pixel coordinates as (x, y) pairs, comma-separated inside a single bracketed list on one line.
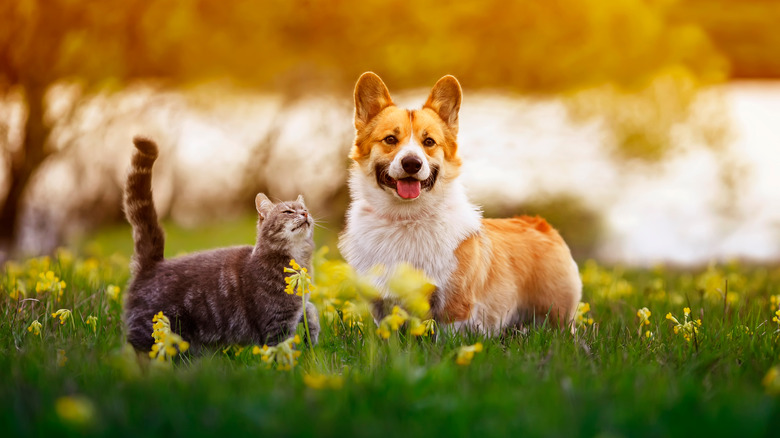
[(390, 139), (429, 142), (288, 212)]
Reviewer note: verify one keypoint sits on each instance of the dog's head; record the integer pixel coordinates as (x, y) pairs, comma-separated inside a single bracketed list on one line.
[(405, 156)]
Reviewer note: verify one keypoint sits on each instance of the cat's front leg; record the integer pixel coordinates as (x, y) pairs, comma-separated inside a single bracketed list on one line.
[(313, 319)]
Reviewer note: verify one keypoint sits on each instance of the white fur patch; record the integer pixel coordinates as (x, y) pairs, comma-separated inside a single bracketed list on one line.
[(382, 230)]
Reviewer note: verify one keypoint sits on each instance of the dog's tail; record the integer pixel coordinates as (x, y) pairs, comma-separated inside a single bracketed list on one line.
[(139, 207)]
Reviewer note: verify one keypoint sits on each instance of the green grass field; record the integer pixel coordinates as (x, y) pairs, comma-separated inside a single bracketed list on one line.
[(610, 379)]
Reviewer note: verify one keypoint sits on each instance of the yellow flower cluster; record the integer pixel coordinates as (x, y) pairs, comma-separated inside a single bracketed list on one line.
[(113, 292), (167, 344), (688, 328), (466, 353), (776, 318), (284, 354), (644, 319), (605, 284), (392, 322), (581, 319), (50, 282), (412, 288), (92, 322), (62, 314), (323, 381), (35, 328), (299, 283)]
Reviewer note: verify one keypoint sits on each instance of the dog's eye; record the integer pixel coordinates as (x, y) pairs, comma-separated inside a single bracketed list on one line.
[(390, 139), (428, 142)]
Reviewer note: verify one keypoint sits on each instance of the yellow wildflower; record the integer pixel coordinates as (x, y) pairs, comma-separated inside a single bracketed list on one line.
[(167, 344), (774, 301), (61, 358), (283, 354), (392, 322), (322, 381), (644, 316), (413, 288), (688, 328), (18, 291), (50, 282), (299, 283), (113, 292), (62, 314), (771, 380), (580, 319), (35, 328), (776, 318), (92, 322), (466, 353), (76, 410), (422, 328)]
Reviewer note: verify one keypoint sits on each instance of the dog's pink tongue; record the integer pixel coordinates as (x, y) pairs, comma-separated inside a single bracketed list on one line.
[(408, 189)]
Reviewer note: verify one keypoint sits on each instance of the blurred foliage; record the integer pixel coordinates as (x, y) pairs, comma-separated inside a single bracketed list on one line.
[(743, 30), (525, 45)]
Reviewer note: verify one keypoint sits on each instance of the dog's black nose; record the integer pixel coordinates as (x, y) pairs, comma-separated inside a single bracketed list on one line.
[(411, 164)]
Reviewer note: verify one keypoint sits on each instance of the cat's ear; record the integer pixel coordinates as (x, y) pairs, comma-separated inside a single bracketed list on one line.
[(371, 97), (300, 200), (263, 205), (445, 100)]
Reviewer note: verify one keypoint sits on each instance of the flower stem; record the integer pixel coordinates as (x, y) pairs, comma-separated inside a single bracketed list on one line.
[(305, 320)]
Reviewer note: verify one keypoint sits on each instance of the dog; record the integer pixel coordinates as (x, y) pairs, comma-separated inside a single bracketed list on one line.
[(408, 206)]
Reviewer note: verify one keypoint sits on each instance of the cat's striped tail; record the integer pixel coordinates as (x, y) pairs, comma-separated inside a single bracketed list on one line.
[(139, 207)]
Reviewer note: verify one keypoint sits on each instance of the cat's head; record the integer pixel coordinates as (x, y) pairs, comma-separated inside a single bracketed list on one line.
[(283, 221)]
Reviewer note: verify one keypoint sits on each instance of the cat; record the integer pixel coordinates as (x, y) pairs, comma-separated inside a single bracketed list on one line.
[(219, 297)]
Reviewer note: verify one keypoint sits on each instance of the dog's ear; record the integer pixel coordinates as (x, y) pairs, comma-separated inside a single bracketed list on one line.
[(263, 205), (445, 100), (371, 97)]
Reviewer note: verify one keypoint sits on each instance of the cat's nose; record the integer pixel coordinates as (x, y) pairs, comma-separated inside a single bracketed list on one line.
[(305, 215)]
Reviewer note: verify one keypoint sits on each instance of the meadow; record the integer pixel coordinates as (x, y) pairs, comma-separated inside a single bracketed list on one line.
[(657, 352)]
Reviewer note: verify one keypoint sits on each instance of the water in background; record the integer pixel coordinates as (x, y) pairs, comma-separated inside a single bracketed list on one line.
[(697, 205)]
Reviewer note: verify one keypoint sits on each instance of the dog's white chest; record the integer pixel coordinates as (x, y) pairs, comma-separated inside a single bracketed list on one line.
[(427, 243)]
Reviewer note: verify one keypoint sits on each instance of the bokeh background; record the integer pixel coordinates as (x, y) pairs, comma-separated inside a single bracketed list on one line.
[(646, 130)]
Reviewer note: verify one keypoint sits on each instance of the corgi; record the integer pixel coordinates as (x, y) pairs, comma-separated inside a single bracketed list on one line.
[(408, 206)]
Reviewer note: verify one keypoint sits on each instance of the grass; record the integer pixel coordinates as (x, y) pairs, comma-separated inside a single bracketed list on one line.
[(607, 380)]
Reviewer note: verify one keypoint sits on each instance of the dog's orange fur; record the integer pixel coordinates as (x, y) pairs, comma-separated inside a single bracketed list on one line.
[(519, 263), (508, 271)]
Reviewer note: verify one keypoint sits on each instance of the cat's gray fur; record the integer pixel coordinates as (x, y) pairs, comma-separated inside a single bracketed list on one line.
[(220, 297)]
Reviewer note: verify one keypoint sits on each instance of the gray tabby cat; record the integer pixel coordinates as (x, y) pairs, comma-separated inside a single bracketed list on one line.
[(219, 297)]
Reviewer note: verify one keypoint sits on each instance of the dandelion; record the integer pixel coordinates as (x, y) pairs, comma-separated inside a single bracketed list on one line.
[(167, 344), (392, 322), (62, 314), (76, 410), (771, 381), (299, 283), (323, 381), (284, 354), (92, 322), (62, 358), (580, 318), (688, 328), (35, 328), (466, 353), (113, 292)]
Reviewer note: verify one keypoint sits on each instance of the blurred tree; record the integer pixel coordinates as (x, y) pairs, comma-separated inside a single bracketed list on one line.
[(295, 46)]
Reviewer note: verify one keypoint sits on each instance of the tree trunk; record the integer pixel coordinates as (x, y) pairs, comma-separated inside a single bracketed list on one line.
[(24, 162)]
